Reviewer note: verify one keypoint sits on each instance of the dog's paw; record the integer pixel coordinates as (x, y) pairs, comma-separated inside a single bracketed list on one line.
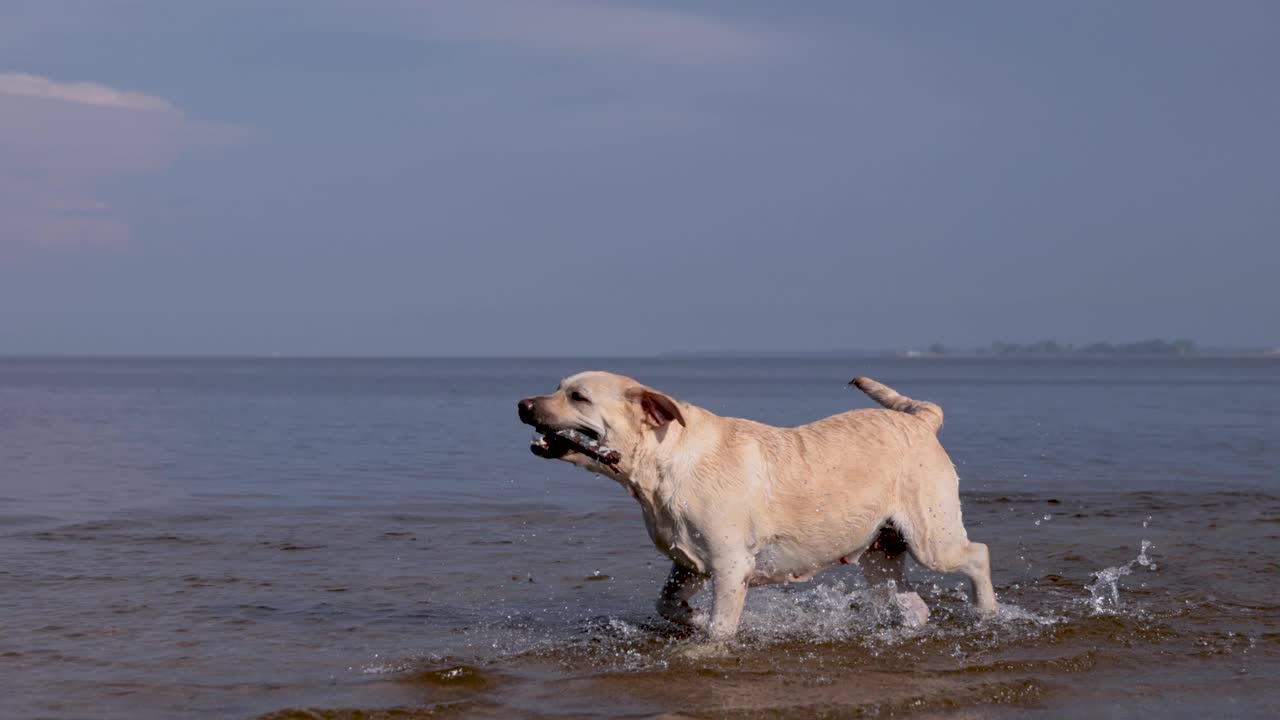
[(706, 650), (912, 610), (906, 609)]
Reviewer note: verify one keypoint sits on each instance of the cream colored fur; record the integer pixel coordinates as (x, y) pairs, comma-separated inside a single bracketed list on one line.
[(742, 503)]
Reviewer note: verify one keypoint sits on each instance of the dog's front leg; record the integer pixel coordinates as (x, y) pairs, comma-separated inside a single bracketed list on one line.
[(729, 576), (673, 604)]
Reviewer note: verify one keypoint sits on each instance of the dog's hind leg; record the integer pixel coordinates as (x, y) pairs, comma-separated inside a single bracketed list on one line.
[(673, 604), (942, 545), (975, 562)]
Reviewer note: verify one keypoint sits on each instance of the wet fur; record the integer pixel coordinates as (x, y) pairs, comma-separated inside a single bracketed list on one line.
[(742, 503)]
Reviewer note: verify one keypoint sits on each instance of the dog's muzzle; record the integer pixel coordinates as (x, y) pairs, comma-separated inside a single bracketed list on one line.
[(553, 444)]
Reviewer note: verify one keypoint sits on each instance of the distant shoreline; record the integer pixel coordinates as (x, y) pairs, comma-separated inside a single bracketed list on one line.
[(1157, 347), (923, 355), (674, 355)]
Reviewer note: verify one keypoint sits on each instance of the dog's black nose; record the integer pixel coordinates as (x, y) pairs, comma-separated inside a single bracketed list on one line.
[(526, 410)]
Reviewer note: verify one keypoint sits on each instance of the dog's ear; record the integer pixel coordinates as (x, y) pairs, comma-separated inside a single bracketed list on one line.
[(656, 408)]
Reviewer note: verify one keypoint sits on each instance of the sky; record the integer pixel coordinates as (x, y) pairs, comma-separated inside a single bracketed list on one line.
[(596, 177)]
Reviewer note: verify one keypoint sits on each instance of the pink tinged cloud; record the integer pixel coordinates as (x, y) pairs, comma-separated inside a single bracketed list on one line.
[(59, 142)]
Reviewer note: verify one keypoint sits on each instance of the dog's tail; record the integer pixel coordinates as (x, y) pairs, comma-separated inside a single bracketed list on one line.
[(889, 398)]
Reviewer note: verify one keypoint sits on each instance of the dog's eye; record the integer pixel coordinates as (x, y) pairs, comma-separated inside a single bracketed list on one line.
[(578, 397)]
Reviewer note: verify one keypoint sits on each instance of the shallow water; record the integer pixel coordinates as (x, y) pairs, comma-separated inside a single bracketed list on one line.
[(372, 538)]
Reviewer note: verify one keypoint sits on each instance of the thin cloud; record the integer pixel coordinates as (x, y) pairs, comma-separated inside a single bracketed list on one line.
[(595, 27), (60, 140)]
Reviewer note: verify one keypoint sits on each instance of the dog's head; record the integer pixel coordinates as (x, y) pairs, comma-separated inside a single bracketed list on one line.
[(599, 421)]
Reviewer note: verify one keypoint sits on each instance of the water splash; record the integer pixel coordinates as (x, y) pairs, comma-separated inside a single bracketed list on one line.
[(874, 621), (874, 617), (1104, 591), (1009, 613), (825, 612)]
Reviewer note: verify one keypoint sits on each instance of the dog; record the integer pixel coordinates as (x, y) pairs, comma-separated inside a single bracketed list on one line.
[(744, 504)]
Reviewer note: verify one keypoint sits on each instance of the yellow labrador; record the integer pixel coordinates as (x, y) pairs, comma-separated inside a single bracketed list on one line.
[(745, 504)]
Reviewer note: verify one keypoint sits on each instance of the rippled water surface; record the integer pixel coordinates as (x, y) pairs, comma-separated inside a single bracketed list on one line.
[(372, 538)]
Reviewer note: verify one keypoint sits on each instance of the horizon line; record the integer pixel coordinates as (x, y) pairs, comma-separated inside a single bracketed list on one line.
[(1225, 351)]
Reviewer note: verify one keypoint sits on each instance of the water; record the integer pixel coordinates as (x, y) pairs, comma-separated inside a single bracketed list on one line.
[(349, 538)]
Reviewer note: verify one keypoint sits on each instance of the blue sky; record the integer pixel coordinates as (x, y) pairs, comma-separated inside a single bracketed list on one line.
[(597, 177)]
